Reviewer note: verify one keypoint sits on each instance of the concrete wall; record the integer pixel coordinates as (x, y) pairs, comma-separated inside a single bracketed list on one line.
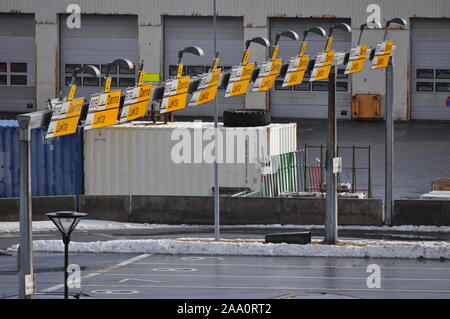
[(421, 212), (41, 205), (255, 13)]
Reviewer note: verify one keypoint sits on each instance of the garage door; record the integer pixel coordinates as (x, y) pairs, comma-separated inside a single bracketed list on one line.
[(309, 99), (99, 41), (17, 63), (430, 70), (180, 32)]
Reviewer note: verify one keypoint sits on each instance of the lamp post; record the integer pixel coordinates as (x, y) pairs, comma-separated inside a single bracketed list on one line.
[(66, 222)]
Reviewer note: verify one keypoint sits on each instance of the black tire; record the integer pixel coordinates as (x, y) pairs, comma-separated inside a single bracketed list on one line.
[(246, 118)]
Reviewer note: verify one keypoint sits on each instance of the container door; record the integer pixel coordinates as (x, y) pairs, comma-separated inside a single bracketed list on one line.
[(180, 32), (309, 99), (17, 63), (100, 40), (430, 69)]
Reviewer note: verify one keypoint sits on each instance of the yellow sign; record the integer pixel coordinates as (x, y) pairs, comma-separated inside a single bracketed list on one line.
[(104, 118), (175, 95), (320, 73), (355, 66), (302, 49), (65, 117), (296, 71), (136, 102), (246, 57), (216, 64), (141, 78), (322, 66), (71, 95), (383, 54), (237, 88), (107, 85), (173, 103), (239, 80), (180, 70), (103, 110), (328, 45), (275, 52), (264, 84), (207, 89), (380, 62)]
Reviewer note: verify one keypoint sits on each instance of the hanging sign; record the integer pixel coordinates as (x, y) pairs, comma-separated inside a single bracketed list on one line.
[(356, 60), (175, 94), (207, 89), (383, 54), (103, 110), (267, 75), (322, 66), (240, 77)]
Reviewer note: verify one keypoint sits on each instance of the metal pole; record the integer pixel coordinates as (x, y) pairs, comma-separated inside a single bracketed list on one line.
[(331, 197), (389, 152), (25, 243), (66, 265), (216, 144)]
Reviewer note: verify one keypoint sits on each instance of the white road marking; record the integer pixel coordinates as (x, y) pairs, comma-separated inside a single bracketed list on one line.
[(115, 292), (133, 279), (295, 267), (175, 269), (281, 277), (100, 272), (275, 288), (201, 258)]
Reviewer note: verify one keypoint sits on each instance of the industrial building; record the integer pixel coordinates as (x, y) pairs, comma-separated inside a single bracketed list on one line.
[(38, 50)]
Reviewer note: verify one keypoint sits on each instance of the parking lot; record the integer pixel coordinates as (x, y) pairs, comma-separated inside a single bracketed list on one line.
[(188, 277)]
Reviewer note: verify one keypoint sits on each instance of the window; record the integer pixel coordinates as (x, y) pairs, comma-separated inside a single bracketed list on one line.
[(124, 70), (195, 70), (304, 86), (3, 80), (68, 68), (90, 81), (113, 82), (18, 80), (113, 69), (320, 86), (425, 73), (18, 67), (279, 86), (341, 86), (3, 67), (125, 82), (69, 79), (442, 73), (425, 86), (442, 86)]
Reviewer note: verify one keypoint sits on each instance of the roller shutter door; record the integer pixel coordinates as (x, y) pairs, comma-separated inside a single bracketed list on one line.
[(17, 63), (310, 99), (430, 69), (180, 32), (99, 41)]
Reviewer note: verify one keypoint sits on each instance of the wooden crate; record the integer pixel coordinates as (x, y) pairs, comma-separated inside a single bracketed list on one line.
[(441, 184)]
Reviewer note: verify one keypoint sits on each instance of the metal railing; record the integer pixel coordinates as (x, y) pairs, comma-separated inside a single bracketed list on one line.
[(304, 171)]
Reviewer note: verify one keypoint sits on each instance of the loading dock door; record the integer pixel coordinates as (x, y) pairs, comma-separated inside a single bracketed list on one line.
[(430, 69), (99, 41), (17, 63), (309, 99), (180, 32)]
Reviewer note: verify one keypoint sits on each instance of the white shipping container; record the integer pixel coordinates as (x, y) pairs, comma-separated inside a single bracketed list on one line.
[(142, 158)]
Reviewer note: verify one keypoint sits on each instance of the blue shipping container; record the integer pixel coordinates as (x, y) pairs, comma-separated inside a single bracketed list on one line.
[(56, 163)]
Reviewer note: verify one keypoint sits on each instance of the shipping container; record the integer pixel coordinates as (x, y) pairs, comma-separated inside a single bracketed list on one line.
[(56, 164), (141, 158)]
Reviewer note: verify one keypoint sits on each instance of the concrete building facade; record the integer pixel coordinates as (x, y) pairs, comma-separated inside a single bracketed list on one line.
[(146, 30)]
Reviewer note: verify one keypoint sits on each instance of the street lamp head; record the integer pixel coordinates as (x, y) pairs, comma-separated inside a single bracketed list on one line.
[(66, 221), (259, 40), (339, 26), (122, 62), (87, 69), (317, 30), (286, 33), (399, 21), (192, 50)]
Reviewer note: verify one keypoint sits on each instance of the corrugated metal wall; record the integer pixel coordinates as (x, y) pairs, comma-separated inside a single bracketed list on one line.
[(56, 164)]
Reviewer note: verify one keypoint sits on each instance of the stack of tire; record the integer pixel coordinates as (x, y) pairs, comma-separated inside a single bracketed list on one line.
[(246, 118)]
